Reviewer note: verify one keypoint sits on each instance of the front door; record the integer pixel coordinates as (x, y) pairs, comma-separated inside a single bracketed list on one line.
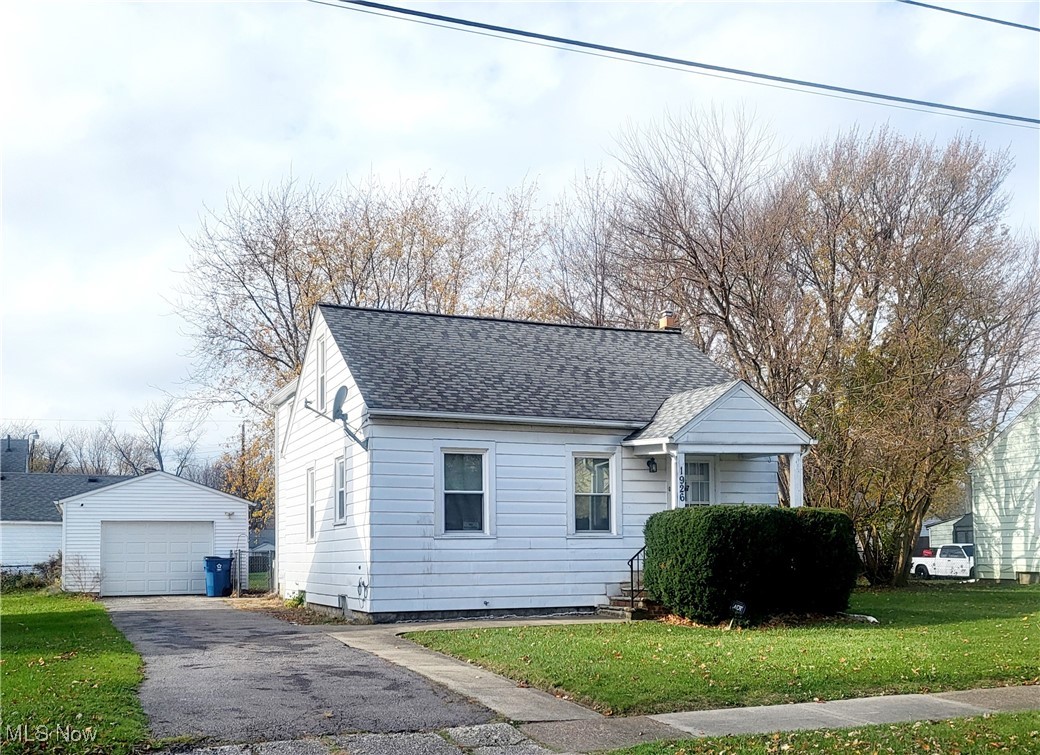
[(697, 482)]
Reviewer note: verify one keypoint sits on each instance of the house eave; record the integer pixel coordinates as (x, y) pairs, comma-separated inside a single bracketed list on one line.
[(502, 419), (283, 394)]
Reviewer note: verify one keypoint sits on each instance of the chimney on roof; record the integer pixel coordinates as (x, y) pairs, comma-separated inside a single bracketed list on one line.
[(668, 321)]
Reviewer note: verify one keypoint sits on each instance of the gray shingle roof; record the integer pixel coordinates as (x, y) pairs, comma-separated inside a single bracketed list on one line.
[(406, 361), (30, 497), (680, 408), (14, 454)]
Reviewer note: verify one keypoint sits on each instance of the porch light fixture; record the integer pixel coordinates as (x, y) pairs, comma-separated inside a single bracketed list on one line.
[(651, 464)]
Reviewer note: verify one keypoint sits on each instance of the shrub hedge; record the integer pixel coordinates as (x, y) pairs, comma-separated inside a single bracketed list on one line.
[(700, 559)]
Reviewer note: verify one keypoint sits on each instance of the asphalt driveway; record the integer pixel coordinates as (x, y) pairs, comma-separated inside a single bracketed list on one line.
[(236, 676)]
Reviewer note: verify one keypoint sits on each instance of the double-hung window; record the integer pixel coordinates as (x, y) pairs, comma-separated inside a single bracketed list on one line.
[(593, 491), (341, 490), (465, 490), (312, 514)]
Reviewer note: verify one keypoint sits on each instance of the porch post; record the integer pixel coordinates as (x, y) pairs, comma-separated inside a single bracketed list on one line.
[(677, 480), (796, 489)]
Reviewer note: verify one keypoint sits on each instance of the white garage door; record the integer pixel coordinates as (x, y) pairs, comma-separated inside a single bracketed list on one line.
[(154, 558)]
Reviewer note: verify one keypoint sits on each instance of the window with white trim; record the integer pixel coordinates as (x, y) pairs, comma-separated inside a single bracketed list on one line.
[(465, 491), (321, 374), (592, 493), (699, 482), (312, 514), (341, 490)]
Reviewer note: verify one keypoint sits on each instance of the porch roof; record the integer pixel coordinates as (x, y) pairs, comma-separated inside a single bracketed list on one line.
[(730, 416)]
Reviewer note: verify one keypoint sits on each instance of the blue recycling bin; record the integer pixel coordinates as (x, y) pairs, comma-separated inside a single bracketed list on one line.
[(218, 576)]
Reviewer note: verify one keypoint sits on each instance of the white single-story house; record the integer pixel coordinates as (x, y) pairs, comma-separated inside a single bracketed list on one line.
[(30, 523), (148, 535), (431, 465), (1005, 500)]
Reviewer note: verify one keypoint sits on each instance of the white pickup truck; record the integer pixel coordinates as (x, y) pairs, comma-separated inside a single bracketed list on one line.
[(947, 561)]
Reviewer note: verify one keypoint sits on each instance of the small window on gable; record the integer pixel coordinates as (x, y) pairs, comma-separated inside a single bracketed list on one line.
[(698, 482), (312, 514), (321, 374), (592, 494), (341, 490)]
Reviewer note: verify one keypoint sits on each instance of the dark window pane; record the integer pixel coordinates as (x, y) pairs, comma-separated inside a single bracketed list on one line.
[(463, 512), (592, 513), (601, 513)]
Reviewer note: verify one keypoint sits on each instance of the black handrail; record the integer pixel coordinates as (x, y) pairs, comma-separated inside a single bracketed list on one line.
[(635, 577)]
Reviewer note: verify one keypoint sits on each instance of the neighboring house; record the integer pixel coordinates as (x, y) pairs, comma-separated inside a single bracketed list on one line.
[(958, 529), (1005, 496), (14, 454), (148, 535), (263, 540), (496, 466), (30, 523)]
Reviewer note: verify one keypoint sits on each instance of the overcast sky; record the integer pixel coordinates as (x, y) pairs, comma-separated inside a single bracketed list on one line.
[(123, 121)]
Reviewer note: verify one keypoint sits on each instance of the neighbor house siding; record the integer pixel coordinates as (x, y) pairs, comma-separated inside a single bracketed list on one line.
[(150, 498), (1005, 489), (28, 543), (336, 562)]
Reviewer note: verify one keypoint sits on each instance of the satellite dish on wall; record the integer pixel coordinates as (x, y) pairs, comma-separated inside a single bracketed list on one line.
[(338, 402)]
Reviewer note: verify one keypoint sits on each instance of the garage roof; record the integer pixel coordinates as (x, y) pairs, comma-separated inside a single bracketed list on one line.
[(30, 497)]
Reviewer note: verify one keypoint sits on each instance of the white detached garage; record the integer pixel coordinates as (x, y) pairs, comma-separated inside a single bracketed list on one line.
[(148, 536)]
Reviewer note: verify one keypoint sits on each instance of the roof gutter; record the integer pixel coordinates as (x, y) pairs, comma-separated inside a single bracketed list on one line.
[(503, 419)]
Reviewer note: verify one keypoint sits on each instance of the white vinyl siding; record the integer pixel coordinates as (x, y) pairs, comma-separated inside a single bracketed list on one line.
[(25, 544), (335, 565), (159, 500), (1005, 498)]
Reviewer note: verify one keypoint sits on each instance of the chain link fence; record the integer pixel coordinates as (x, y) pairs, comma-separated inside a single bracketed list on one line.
[(258, 576)]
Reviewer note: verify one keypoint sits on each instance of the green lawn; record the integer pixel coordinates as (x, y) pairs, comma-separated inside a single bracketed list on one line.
[(1002, 733), (259, 580), (932, 637), (68, 676)]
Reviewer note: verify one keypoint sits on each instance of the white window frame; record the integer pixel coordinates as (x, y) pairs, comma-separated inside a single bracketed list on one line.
[(339, 490), (322, 374), (487, 452), (312, 506), (713, 478), (613, 453)]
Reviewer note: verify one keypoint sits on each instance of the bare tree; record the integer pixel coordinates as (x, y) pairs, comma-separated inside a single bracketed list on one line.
[(868, 287)]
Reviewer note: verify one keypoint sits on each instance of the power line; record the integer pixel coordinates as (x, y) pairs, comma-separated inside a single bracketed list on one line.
[(566, 43), (970, 15)]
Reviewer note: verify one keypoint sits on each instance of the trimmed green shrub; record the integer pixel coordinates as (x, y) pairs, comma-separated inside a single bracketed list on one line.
[(828, 559), (699, 560)]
